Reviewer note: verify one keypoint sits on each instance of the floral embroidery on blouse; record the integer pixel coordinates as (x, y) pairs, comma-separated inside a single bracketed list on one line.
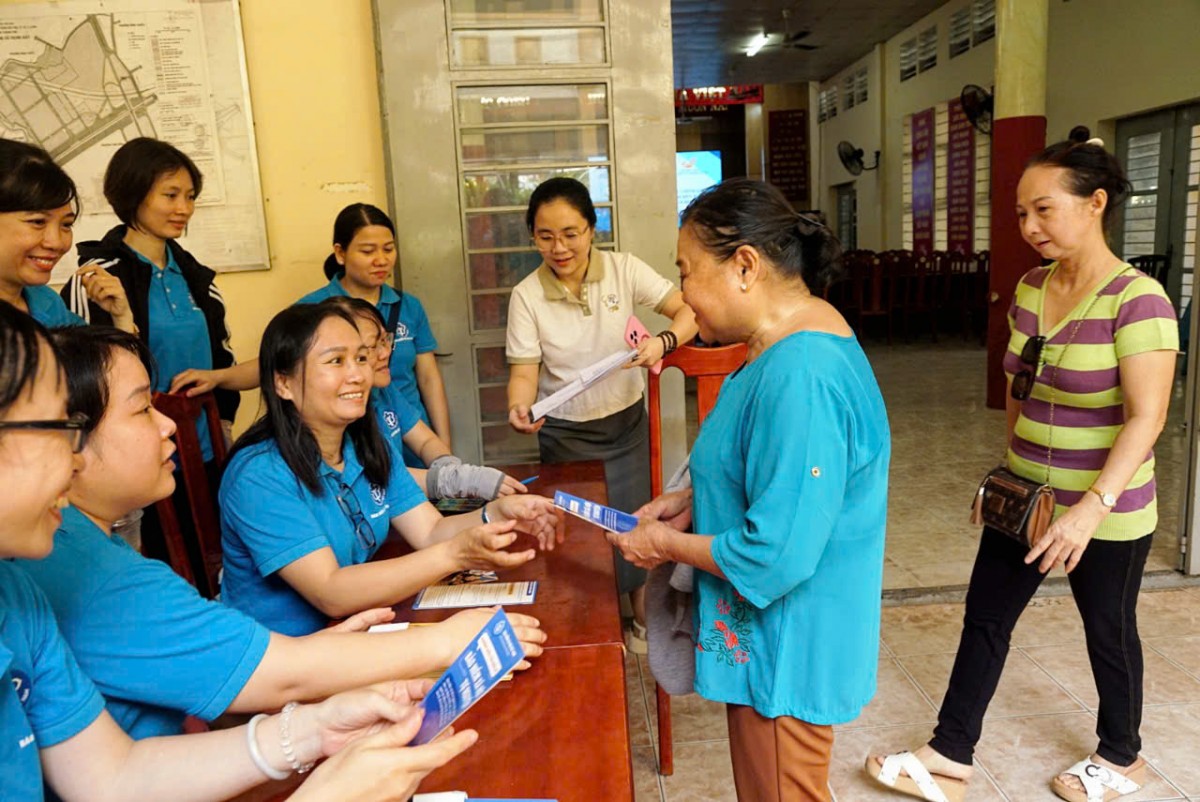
[(730, 640)]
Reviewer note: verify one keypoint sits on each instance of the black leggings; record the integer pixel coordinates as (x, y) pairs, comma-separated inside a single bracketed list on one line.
[(1105, 585)]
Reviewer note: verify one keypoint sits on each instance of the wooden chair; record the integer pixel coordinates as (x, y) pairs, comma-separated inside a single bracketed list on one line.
[(709, 367), (204, 568), (917, 293), (1155, 265)]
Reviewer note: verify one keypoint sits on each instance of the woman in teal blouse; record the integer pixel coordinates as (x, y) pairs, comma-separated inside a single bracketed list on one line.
[(789, 495)]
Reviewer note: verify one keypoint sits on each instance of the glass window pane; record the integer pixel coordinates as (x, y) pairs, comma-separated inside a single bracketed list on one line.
[(513, 188), (490, 311), (497, 230), (575, 143), (473, 12), (491, 271), (490, 364), (527, 47), (531, 104)]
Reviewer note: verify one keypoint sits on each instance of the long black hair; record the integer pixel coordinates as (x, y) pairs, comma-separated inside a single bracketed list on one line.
[(86, 355), (1089, 167), (285, 345), (349, 222), (742, 211), (30, 181), (20, 352)]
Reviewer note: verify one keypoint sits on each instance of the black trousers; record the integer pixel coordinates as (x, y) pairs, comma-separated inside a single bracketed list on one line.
[(1105, 585)]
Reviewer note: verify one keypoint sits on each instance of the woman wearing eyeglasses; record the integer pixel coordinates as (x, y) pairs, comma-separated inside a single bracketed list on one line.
[(1090, 362), (54, 728), (565, 316), (313, 487)]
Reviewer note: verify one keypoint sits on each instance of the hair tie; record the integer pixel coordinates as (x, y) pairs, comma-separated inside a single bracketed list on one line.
[(1097, 141)]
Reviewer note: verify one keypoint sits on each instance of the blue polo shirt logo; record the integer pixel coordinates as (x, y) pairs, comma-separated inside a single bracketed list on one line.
[(402, 332), (378, 495), (389, 420), (22, 685)]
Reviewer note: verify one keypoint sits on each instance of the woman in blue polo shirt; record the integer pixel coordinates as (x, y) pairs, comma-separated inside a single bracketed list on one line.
[(313, 486), (38, 207), (53, 725)]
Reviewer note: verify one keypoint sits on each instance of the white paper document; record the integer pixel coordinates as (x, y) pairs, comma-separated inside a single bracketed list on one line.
[(586, 378), (440, 597)]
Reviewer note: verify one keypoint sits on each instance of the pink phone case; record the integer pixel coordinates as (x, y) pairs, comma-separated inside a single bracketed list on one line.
[(636, 333)]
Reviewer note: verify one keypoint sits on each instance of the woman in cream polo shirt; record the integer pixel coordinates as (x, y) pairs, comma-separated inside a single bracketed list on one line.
[(570, 313)]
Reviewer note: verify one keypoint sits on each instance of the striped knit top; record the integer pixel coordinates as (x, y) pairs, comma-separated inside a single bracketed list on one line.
[(1129, 314)]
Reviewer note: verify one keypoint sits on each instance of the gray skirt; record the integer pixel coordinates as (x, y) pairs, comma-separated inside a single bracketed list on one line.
[(622, 442)]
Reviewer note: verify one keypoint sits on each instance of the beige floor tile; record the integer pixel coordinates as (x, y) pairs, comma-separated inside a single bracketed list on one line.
[(946, 573), (922, 628), (1024, 754), (1164, 682), (1185, 652), (703, 773), (897, 701), (645, 776), (1049, 621), (897, 578), (1024, 688), (1171, 742), (639, 722), (693, 718), (1168, 614), (850, 751)]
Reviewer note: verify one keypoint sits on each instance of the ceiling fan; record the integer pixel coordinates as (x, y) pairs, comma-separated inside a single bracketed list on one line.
[(788, 40)]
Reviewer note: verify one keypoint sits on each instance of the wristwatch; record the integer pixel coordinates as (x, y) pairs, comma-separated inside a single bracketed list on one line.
[(1107, 499)]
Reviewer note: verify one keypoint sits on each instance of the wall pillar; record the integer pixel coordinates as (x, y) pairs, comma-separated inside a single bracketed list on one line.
[(1018, 132)]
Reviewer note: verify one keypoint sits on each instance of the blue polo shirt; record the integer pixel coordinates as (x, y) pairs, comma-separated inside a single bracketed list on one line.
[(178, 333), (47, 307), (395, 415), (269, 519), (413, 336), (45, 698), (156, 649), (790, 475)]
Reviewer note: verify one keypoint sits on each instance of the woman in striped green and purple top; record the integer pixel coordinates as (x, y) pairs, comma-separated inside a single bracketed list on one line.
[(1090, 363)]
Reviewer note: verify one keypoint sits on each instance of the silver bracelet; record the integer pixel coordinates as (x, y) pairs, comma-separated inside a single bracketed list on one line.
[(256, 755), (483, 514), (285, 739)]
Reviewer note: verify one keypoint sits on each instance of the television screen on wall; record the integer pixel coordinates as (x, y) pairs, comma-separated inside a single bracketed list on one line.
[(695, 171)]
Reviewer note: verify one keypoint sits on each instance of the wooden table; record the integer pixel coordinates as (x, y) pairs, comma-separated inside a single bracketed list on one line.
[(557, 731), (577, 597)]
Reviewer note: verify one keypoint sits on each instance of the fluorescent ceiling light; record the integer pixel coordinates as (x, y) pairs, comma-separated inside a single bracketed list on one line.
[(756, 44)]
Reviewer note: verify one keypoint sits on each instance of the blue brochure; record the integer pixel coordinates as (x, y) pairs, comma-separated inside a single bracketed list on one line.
[(492, 654), (600, 515)]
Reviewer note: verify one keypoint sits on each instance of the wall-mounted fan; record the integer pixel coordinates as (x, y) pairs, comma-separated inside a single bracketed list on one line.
[(977, 104), (852, 158)]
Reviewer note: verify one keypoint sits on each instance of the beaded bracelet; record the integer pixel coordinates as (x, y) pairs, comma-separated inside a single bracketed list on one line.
[(256, 755), (670, 341), (285, 739)]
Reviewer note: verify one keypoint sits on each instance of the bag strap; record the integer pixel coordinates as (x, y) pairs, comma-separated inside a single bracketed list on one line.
[(1062, 356), (394, 317)]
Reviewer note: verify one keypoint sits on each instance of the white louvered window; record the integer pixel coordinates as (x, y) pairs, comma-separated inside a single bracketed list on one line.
[(908, 59), (927, 45), (983, 21), (860, 87), (960, 32), (848, 94), (906, 193), (1191, 219), (1142, 161), (827, 104), (941, 150)]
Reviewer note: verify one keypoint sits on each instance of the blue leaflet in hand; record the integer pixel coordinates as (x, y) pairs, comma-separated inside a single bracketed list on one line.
[(600, 515), (493, 653)]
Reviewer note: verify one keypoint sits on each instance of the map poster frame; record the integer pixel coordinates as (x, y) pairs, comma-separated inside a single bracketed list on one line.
[(82, 77)]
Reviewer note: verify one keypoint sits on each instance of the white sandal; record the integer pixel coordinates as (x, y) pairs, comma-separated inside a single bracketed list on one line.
[(1100, 783), (916, 780)]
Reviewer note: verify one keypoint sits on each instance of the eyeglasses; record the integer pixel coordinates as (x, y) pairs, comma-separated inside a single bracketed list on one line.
[(73, 427), (545, 241), (348, 503), (1031, 355), (386, 343)]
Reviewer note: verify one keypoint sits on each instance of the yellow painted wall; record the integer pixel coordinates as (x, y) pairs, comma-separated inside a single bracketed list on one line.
[(320, 147)]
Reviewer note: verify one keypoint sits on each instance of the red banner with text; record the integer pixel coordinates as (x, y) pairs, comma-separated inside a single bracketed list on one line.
[(960, 182), (922, 180)]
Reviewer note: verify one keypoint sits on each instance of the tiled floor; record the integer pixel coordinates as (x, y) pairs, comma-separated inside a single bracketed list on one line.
[(1043, 716), (1041, 720)]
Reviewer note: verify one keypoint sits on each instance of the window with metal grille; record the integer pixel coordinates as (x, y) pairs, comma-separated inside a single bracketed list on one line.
[(827, 104), (908, 59), (983, 21), (927, 45), (860, 86), (960, 32), (1143, 157), (1192, 217), (848, 96)]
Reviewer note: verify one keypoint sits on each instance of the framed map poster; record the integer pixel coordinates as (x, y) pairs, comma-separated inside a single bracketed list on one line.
[(83, 77)]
